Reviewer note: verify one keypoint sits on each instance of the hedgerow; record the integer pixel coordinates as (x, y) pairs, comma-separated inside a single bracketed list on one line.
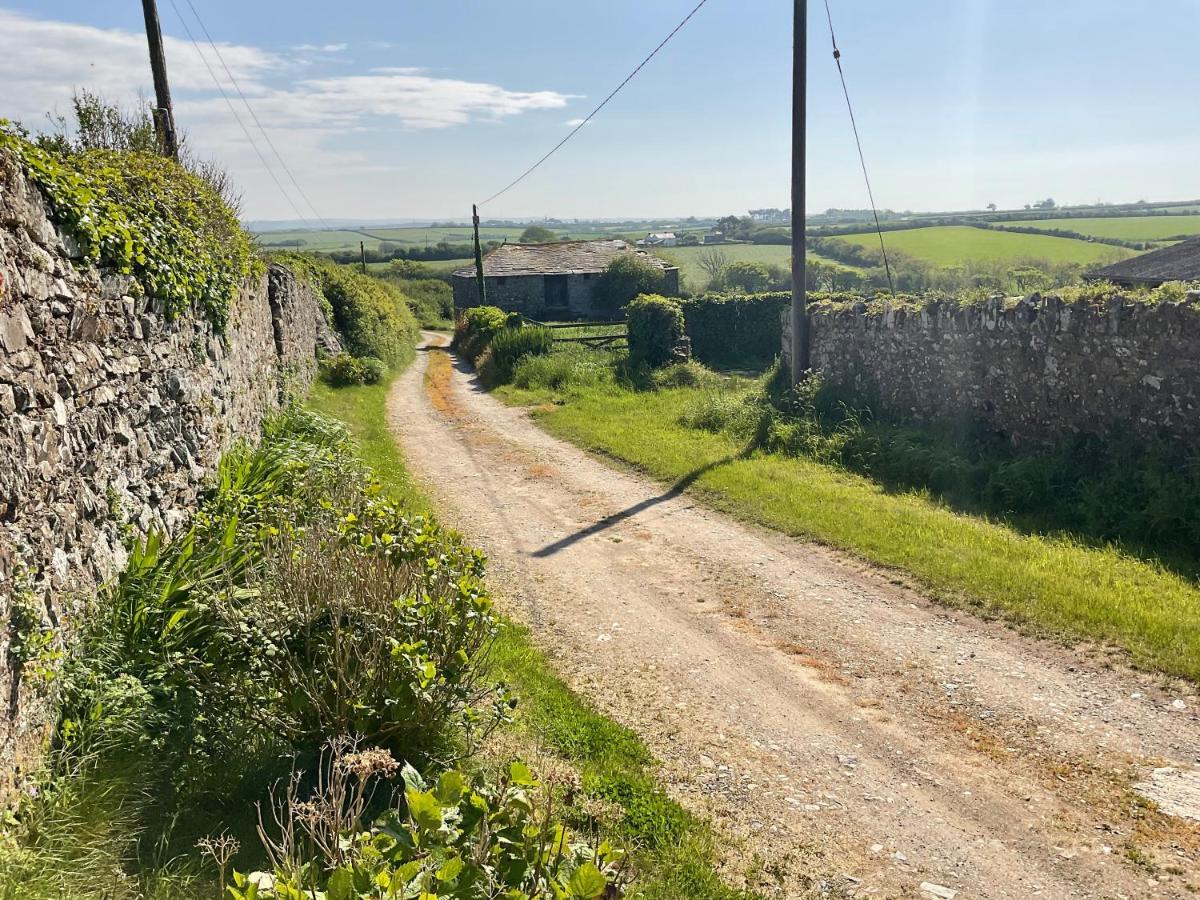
[(475, 328), (655, 327), (372, 316), (146, 216), (735, 328)]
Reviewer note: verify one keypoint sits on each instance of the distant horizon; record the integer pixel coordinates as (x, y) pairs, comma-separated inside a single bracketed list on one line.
[(341, 222)]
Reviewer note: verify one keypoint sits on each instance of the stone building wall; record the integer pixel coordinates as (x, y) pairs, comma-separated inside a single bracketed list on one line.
[(1036, 369), (527, 294), (111, 417)]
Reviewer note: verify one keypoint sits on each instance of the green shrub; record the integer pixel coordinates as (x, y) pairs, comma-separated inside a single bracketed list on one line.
[(144, 215), (374, 370), (371, 315), (739, 329), (625, 278), (453, 836), (345, 370), (567, 367), (431, 300), (744, 275), (510, 345), (655, 328), (474, 329), (219, 644), (684, 374)]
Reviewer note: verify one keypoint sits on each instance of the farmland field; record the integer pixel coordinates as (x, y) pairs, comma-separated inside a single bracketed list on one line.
[(436, 265), (694, 276), (953, 244), (1129, 228), (408, 237)]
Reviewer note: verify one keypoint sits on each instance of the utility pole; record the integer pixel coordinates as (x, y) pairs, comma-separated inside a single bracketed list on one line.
[(362, 255), (164, 115), (478, 257), (800, 341)]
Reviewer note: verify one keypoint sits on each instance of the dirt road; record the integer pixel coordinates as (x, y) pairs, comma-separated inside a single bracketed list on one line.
[(862, 739)]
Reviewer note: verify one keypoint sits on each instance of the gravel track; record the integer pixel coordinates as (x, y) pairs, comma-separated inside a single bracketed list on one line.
[(860, 738)]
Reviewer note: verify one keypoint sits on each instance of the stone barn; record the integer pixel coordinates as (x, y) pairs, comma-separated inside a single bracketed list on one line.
[(549, 281)]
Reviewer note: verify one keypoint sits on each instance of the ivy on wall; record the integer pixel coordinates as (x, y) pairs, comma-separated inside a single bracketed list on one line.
[(146, 216)]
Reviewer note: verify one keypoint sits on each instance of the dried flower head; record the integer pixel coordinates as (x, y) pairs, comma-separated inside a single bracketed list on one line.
[(364, 764)]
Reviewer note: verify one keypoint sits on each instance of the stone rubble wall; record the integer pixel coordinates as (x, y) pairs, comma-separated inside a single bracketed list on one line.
[(1037, 369), (111, 418)]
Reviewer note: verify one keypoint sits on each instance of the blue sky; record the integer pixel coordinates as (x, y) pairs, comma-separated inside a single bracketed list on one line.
[(414, 109)]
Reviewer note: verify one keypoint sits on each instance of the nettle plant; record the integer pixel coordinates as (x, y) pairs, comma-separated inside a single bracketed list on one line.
[(143, 215)]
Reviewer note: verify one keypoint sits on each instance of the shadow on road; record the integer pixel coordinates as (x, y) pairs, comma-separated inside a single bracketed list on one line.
[(617, 518)]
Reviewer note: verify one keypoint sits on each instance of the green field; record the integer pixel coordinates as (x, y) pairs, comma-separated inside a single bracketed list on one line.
[(409, 237), (437, 265), (695, 278), (953, 244), (1129, 228)]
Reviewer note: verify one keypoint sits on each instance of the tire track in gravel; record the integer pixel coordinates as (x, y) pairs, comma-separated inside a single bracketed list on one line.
[(862, 738)]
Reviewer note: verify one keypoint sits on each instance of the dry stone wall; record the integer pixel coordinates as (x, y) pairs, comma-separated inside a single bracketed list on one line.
[(111, 418), (1035, 369)]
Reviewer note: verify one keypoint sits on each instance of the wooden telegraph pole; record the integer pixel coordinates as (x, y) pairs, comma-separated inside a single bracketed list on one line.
[(478, 257), (800, 342), (164, 115)]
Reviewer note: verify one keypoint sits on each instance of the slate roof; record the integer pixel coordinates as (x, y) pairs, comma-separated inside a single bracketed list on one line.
[(560, 258), (1178, 263)]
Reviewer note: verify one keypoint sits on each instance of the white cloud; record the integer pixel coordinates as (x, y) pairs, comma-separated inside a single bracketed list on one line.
[(575, 123), (311, 120), (320, 48)]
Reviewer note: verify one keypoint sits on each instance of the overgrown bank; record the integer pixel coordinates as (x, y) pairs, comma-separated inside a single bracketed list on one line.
[(673, 853)]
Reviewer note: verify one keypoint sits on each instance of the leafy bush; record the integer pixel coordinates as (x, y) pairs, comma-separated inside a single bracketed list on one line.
[(231, 626), (144, 215), (567, 367), (684, 374), (747, 276), (457, 837), (474, 329), (371, 315), (510, 345), (344, 370), (626, 277), (655, 328), (741, 329)]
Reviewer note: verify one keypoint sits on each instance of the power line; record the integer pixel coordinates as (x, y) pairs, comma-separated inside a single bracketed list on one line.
[(254, 116), (233, 109), (590, 115), (837, 57)]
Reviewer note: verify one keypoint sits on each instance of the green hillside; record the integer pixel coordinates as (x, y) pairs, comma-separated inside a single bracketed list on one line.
[(953, 244)]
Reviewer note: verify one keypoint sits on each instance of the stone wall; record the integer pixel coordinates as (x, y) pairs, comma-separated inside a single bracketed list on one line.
[(1035, 369), (527, 294), (111, 417)]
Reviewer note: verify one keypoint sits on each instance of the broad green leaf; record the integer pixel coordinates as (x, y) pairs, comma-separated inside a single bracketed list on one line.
[(424, 809), (341, 885), (450, 787), (521, 774), (587, 882), (450, 869)]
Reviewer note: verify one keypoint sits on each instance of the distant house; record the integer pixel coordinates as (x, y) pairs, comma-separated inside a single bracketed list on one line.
[(549, 281), (713, 237), (662, 239), (1178, 263)]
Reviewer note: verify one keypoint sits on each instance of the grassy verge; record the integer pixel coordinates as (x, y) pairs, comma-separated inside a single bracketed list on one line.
[(1054, 584), (676, 854)]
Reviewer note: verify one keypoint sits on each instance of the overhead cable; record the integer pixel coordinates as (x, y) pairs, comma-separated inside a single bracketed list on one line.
[(233, 109), (254, 116), (837, 57), (512, 184)]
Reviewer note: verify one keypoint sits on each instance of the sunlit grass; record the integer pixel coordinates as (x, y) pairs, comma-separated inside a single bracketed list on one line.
[(1053, 584)]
